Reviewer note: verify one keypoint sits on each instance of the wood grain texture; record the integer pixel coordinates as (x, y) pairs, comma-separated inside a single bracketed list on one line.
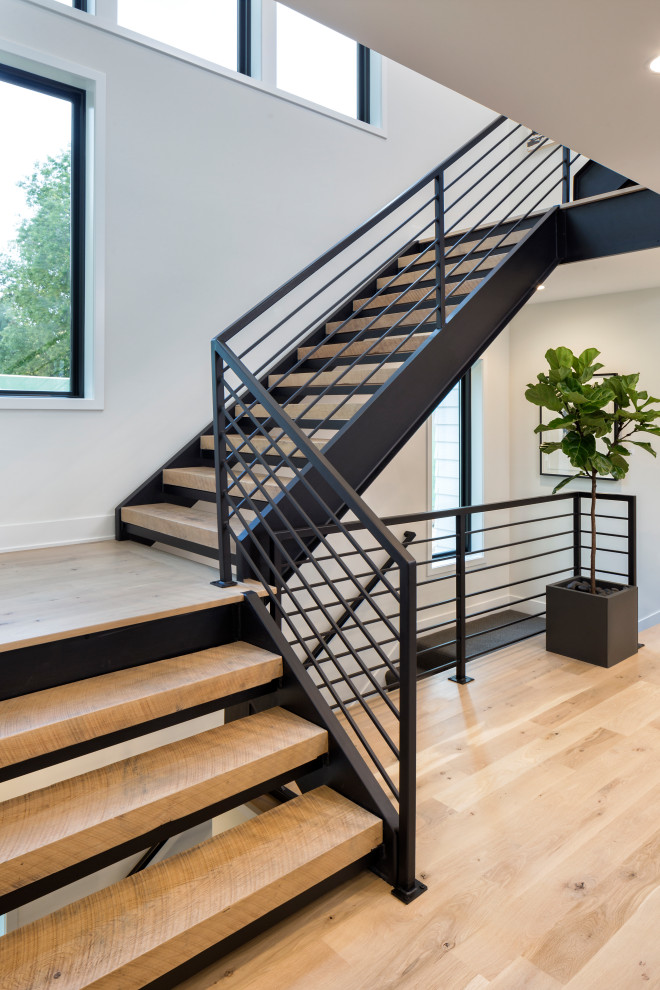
[(61, 592), (455, 268), (384, 346), (50, 829), (354, 376), (143, 926), (412, 318), (62, 716), (538, 808), (397, 295)]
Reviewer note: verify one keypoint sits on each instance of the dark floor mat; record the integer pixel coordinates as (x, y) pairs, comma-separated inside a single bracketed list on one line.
[(437, 648)]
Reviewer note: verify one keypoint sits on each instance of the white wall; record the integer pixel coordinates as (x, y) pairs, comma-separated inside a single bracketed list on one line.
[(624, 327), (217, 191)]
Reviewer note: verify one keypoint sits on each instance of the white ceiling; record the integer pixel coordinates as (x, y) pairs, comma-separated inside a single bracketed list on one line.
[(618, 273), (574, 70)]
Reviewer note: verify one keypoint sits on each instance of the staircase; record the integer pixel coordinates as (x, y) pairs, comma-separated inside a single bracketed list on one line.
[(316, 389), (326, 389), (155, 926)]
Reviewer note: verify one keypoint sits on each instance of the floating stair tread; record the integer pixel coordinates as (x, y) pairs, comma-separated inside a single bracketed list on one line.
[(53, 828), (203, 479), (453, 268), (196, 523), (265, 446), (412, 295), (199, 478), (354, 376), (384, 346), (469, 243), (415, 316), (127, 935), (49, 720)]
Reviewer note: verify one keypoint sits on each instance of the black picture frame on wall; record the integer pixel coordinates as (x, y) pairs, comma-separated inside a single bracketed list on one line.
[(557, 464)]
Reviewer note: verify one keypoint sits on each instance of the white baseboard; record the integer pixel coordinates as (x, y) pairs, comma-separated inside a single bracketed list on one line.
[(649, 620), (56, 532)]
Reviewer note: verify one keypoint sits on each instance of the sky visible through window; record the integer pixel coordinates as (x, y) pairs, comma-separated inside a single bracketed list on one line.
[(206, 28), (35, 280), (34, 126), (315, 62)]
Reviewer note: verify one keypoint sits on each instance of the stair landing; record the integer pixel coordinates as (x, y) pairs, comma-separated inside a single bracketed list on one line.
[(61, 592)]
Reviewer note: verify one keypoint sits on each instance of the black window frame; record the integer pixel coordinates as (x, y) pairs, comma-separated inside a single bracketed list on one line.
[(78, 99), (363, 54), (465, 462)]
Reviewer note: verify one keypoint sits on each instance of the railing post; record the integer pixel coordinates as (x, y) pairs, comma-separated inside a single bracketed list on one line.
[(460, 676), (220, 456), (632, 539), (577, 534), (565, 174), (440, 246), (407, 887)]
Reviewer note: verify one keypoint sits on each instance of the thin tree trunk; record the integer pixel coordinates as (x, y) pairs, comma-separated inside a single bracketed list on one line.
[(593, 532)]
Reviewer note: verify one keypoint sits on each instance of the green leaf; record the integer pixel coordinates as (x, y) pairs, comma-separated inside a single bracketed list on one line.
[(565, 481), (552, 359), (555, 424), (577, 398), (564, 357), (578, 449), (588, 356), (550, 448), (544, 395), (619, 465), (645, 446), (603, 465)]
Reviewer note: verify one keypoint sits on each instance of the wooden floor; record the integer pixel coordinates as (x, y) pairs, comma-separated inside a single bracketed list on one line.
[(539, 839), (62, 591)]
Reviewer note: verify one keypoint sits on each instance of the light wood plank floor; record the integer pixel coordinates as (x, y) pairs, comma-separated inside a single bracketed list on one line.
[(62, 591), (538, 837)]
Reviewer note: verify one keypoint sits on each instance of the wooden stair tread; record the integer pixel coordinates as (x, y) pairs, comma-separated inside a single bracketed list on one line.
[(53, 828), (388, 319), (412, 295), (127, 935), (481, 266), (384, 346), (203, 479), (265, 445), (354, 376), (196, 523), (49, 720)]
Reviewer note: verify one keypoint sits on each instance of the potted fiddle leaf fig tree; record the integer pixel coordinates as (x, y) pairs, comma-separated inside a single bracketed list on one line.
[(589, 619)]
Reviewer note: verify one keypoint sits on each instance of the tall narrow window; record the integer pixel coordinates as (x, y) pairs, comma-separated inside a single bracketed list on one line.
[(450, 463), (206, 28), (41, 235), (321, 65)]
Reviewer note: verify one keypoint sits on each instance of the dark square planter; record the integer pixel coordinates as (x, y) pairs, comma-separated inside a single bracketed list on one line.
[(597, 629)]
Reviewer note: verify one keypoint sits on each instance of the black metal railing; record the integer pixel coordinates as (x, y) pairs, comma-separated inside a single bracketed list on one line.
[(332, 335), (483, 569), (300, 364), (325, 591)]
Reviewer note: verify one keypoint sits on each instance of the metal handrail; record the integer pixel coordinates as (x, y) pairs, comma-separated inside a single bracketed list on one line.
[(350, 239)]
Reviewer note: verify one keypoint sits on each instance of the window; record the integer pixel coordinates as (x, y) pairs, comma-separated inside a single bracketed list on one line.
[(216, 30), (451, 463), (321, 65), (42, 223)]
